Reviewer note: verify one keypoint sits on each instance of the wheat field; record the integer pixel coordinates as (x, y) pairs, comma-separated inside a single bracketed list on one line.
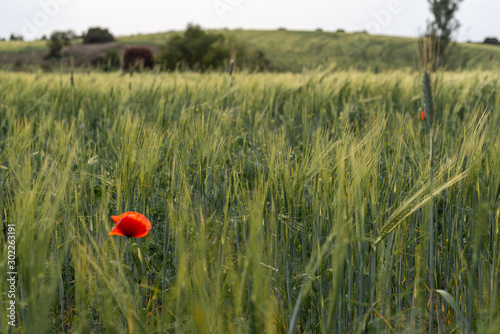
[(279, 202)]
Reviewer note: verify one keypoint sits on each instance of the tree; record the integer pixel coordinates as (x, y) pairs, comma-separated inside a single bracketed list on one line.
[(491, 41), (16, 37), (98, 35), (58, 40), (443, 26), (195, 49)]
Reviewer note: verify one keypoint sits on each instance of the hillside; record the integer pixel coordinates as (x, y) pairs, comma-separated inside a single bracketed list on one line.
[(298, 50)]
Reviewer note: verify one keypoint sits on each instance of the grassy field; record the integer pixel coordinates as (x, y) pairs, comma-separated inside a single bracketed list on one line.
[(298, 50), (286, 202)]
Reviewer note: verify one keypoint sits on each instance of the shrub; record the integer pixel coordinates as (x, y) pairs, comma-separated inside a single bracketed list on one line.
[(58, 40), (138, 56), (195, 49), (98, 35), (110, 61), (491, 40)]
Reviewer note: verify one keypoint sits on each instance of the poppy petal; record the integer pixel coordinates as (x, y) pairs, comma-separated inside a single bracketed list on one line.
[(116, 231), (116, 219), (131, 224)]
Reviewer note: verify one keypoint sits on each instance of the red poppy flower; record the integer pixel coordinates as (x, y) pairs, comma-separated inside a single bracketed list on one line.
[(423, 115), (131, 224)]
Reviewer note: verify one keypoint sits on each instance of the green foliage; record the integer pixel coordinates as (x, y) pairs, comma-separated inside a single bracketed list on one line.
[(491, 41), (195, 49), (98, 35), (58, 40), (198, 50), (111, 59)]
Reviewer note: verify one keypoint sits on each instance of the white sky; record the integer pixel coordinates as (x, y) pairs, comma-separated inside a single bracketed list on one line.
[(34, 18)]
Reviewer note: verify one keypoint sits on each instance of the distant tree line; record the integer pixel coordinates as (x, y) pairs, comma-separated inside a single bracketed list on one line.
[(194, 49), (59, 39), (14, 37)]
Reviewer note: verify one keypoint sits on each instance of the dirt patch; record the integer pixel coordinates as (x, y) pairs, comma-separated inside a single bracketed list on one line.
[(35, 57), (90, 54)]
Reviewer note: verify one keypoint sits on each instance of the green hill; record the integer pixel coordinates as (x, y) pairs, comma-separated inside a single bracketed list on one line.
[(298, 50)]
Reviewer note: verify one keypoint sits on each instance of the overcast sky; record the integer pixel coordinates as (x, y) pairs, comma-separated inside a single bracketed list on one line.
[(34, 18)]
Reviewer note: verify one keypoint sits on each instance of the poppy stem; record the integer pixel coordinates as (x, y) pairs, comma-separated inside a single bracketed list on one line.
[(129, 262), (123, 255)]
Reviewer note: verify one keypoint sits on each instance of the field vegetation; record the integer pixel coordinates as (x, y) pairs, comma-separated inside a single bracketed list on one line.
[(278, 202)]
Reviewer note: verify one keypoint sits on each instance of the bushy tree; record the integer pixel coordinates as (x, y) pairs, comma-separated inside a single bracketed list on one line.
[(443, 25), (491, 41), (58, 40), (195, 49), (98, 35)]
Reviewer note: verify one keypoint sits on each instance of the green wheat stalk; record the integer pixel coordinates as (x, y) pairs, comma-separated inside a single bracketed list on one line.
[(429, 109)]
